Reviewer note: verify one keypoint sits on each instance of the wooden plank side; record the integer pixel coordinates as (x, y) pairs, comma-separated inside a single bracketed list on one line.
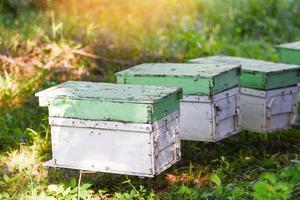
[(251, 79), (114, 111), (189, 85), (114, 125), (253, 113), (269, 112), (226, 80), (164, 108), (112, 151), (271, 80), (289, 56), (93, 110), (196, 121), (282, 79)]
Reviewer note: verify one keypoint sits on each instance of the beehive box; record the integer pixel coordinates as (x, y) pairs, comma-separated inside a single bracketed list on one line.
[(125, 129), (258, 74), (266, 111), (209, 110), (289, 53), (265, 87)]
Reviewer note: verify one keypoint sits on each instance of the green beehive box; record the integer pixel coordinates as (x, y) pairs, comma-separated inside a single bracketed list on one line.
[(258, 74), (110, 102), (290, 53), (195, 79)]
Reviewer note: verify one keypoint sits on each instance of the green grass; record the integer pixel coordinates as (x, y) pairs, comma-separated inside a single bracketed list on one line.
[(42, 45)]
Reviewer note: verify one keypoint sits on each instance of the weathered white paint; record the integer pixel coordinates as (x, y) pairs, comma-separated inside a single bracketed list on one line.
[(210, 118), (266, 111), (115, 147)]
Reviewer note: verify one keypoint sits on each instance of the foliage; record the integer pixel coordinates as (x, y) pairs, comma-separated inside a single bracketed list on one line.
[(136, 193), (278, 186)]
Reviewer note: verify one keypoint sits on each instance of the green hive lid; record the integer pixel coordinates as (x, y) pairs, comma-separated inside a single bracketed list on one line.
[(108, 92), (107, 101), (257, 73), (289, 53), (292, 45), (193, 78)]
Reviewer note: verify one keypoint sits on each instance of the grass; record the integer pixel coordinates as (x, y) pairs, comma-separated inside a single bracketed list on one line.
[(64, 40)]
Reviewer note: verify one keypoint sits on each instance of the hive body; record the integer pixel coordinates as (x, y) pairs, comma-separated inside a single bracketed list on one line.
[(270, 110), (113, 128), (210, 118), (268, 92), (209, 110), (290, 53)]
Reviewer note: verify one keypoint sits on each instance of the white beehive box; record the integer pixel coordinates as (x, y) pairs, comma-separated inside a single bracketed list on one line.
[(215, 117), (125, 129), (209, 110), (270, 110), (268, 92)]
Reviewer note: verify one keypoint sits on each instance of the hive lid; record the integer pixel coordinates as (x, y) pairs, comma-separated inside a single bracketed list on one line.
[(259, 74), (194, 79), (289, 53), (177, 70), (108, 92), (292, 45), (247, 64)]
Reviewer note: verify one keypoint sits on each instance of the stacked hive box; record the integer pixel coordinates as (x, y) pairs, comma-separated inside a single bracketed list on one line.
[(268, 94), (114, 128), (209, 110), (290, 53)]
